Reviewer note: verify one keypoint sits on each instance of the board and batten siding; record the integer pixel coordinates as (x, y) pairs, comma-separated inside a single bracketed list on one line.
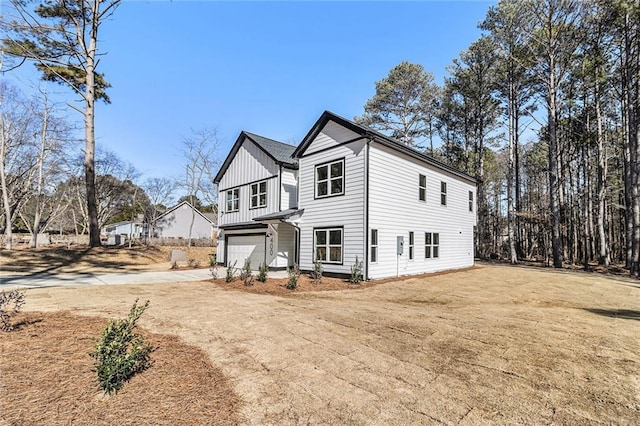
[(345, 211), (249, 165), (289, 188), (395, 210)]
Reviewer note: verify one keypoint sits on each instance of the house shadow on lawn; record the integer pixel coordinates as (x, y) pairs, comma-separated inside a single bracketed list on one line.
[(616, 313)]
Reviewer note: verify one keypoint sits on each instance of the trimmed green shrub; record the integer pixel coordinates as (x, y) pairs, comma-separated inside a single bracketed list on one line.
[(316, 274), (294, 274), (121, 353), (231, 272), (245, 274)]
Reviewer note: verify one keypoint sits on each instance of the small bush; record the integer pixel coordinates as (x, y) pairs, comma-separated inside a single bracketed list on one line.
[(316, 274), (356, 272), (294, 274), (10, 305), (193, 263), (245, 273), (263, 271), (120, 353), (213, 270), (231, 272), (213, 260)]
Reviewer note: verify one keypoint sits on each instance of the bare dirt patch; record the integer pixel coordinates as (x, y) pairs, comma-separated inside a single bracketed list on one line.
[(80, 258), (491, 345), (47, 379)]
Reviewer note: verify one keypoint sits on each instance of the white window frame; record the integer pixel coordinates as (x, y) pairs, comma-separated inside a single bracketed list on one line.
[(255, 194), (443, 193), (470, 201), (422, 189), (233, 198), (328, 245), (374, 246), (431, 245), (412, 240), (329, 179)]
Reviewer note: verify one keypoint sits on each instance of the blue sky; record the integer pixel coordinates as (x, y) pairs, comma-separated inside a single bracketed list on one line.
[(267, 67)]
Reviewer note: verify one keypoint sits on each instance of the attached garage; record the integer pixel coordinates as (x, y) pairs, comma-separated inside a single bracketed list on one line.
[(241, 247)]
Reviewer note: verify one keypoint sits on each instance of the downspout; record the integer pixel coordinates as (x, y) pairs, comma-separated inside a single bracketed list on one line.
[(366, 211)]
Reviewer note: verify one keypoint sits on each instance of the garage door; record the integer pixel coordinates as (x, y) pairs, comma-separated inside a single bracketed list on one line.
[(244, 247)]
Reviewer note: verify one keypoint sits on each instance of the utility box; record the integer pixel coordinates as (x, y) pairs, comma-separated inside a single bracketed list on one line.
[(400, 245)]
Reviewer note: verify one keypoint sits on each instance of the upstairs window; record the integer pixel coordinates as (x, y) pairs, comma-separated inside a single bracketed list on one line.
[(431, 245), (374, 245), (330, 179), (470, 201), (258, 195), (328, 245), (443, 193), (411, 245), (422, 187), (233, 200)]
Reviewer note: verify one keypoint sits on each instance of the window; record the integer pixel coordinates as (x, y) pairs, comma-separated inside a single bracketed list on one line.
[(330, 179), (443, 193), (422, 187), (470, 201), (374, 245), (258, 195), (431, 245), (233, 200), (328, 245), (411, 239)]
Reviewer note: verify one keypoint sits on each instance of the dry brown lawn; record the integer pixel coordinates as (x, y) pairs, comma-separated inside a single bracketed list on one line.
[(490, 345), (80, 258)]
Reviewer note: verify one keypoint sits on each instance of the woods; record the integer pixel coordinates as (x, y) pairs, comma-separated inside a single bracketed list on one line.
[(543, 110)]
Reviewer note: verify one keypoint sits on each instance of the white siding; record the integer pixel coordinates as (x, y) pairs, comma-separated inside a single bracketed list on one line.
[(176, 224), (331, 135), (248, 165), (244, 213), (286, 241), (345, 210), (395, 210), (289, 190)]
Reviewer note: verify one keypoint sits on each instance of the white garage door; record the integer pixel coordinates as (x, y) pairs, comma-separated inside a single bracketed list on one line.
[(244, 247)]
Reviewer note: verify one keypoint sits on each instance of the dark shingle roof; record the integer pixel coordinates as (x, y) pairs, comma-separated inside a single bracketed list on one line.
[(281, 152)]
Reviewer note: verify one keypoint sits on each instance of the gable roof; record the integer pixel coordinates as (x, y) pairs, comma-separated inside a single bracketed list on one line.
[(279, 152), (204, 215), (368, 133)]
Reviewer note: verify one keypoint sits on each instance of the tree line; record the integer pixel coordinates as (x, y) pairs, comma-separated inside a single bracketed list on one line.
[(544, 111)]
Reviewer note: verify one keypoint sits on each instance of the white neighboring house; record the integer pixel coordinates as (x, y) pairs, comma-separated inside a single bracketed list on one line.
[(345, 192), (128, 228), (175, 223)]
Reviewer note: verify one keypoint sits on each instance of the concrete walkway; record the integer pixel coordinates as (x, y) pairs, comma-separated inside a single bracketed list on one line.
[(10, 282)]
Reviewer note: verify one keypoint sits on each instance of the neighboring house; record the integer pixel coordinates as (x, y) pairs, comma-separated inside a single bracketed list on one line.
[(175, 223), (131, 229), (345, 192)]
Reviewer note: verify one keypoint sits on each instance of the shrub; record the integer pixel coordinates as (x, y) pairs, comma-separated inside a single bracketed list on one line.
[(213, 260), (356, 272), (263, 270), (245, 273), (120, 353), (213, 270), (193, 263), (10, 304), (231, 272), (316, 274), (294, 274)]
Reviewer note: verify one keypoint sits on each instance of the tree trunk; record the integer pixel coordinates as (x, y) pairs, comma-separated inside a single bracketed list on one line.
[(513, 255), (603, 249), (8, 236), (554, 205)]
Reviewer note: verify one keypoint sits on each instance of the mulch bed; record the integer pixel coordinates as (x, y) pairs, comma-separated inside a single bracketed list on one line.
[(46, 378)]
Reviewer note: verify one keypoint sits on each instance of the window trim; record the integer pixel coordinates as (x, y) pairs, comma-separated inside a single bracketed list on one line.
[(257, 194), (412, 241), (433, 247), (422, 190), (443, 193), (374, 246), (328, 164), (471, 201), (236, 199), (328, 245)]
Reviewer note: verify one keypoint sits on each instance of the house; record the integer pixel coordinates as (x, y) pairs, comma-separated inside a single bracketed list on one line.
[(176, 222), (344, 193), (129, 228)]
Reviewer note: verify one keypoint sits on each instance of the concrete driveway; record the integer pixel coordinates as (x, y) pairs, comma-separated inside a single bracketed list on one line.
[(491, 345)]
